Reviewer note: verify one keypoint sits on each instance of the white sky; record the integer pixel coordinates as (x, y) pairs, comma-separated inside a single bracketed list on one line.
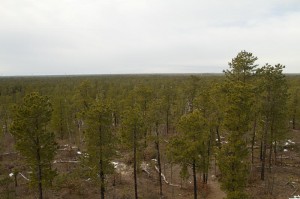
[(46, 37)]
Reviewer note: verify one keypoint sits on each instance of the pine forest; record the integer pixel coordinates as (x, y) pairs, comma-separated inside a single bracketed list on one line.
[(233, 135)]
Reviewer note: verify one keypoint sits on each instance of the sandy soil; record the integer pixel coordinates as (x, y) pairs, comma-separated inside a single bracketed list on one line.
[(215, 190)]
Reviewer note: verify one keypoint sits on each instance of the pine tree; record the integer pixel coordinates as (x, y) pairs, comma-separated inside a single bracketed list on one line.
[(100, 141), (82, 100), (273, 109), (156, 119), (133, 128), (233, 156), (295, 107), (189, 147), (34, 142)]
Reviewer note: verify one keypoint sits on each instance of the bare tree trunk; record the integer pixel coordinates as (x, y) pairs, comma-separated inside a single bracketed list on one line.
[(16, 180), (275, 152), (219, 137), (271, 149), (115, 119), (295, 111), (172, 180), (253, 140), (158, 160), (135, 164), (261, 149), (5, 124), (61, 131), (167, 122), (101, 173), (264, 151), (195, 179), (102, 179), (206, 164), (40, 187)]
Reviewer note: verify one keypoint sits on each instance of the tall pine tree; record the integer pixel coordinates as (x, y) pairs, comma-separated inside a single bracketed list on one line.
[(34, 142), (233, 156)]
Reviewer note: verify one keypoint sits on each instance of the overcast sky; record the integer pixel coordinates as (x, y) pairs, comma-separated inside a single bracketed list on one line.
[(47, 37)]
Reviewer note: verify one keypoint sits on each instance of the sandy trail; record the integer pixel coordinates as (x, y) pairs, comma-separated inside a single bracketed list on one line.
[(215, 190)]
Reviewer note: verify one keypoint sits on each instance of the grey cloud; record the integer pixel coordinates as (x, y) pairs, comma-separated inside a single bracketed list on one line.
[(136, 36)]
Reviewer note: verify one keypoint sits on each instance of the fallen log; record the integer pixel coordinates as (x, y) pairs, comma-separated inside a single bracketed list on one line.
[(165, 180), (65, 161), (24, 176)]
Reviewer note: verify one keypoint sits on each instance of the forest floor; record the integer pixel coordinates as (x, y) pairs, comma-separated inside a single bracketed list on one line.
[(281, 183), (215, 190)]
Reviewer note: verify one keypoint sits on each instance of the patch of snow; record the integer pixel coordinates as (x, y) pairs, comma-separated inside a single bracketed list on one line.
[(86, 155), (145, 167), (155, 160), (11, 174), (120, 167), (287, 143), (285, 150), (79, 153), (115, 164), (213, 177), (290, 141), (295, 197)]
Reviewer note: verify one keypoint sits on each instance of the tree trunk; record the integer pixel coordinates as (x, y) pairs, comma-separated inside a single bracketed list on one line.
[(135, 164), (61, 130), (16, 180), (167, 122), (101, 173), (219, 137), (5, 124), (40, 187), (275, 152), (102, 178), (195, 179), (264, 151), (294, 122), (115, 119), (271, 149), (253, 140), (261, 149), (208, 157), (295, 111), (172, 180), (158, 160)]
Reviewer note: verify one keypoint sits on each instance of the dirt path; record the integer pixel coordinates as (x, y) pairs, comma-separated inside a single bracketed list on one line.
[(215, 190)]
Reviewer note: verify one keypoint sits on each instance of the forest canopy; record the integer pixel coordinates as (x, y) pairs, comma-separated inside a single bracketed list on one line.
[(76, 131)]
